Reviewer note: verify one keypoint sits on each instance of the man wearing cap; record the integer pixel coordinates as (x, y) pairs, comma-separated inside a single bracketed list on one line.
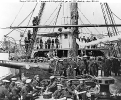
[(82, 89), (70, 90), (27, 90), (4, 91), (36, 84), (59, 93), (15, 91), (52, 87)]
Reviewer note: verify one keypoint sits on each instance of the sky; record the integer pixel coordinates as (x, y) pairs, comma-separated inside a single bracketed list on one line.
[(92, 11)]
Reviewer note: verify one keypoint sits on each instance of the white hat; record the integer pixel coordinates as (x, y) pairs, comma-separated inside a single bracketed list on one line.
[(59, 85), (17, 82), (6, 81), (28, 81), (51, 77), (14, 79)]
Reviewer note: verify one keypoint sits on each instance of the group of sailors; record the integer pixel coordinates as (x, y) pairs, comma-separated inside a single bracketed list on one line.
[(94, 66), (40, 44), (15, 89), (87, 40), (27, 89)]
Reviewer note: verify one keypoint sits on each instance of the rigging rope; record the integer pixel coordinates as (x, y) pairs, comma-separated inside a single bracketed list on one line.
[(88, 20), (86, 27), (30, 18), (50, 16), (17, 14), (57, 15), (116, 15), (20, 23), (52, 20)]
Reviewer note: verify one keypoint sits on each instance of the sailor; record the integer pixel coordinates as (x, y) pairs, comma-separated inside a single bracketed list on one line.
[(27, 91), (4, 91), (59, 93), (26, 44), (52, 87), (36, 83), (70, 71), (116, 66), (56, 42), (49, 43), (70, 90), (108, 66), (14, 91), (41, 43), (81, 90), (52, 43), (29, 35)]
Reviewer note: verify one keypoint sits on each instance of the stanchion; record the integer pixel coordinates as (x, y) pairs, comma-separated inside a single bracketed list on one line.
[(104, 93)]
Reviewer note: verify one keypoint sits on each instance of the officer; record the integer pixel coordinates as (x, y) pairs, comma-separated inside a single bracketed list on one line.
[(4, 90), (52, 87), (27, 91), (59, 93)]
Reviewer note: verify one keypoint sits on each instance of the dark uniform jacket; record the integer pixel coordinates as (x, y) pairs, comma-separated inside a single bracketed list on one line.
[(24, 92), (59, 94), (15, 93), (70, 91), (4, 93), (52, 87)]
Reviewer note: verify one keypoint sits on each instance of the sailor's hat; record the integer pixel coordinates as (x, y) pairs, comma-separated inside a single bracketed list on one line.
[(59, 85), (51, 77), (28, 81), (6, 81), (17, 82), (13, 79), (61, 60)]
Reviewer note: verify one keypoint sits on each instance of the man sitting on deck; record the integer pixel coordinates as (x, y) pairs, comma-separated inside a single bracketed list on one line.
[(52, 87), (59, 93)]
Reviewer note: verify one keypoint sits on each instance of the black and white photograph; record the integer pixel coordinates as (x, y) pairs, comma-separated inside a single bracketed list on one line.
[(60, 50)]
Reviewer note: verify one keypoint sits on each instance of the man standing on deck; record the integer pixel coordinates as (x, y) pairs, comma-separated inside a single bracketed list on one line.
[(41, 43), (57, 42)]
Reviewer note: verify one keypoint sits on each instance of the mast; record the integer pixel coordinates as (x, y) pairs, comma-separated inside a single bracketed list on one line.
[(74, 30), (35, 30)]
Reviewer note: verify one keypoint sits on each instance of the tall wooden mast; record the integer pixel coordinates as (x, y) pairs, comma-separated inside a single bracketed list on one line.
[(74, 30)]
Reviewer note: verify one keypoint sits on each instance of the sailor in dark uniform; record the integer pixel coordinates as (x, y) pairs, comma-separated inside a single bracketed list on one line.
[(27, 91), (52, 87), (4, 90), (70, 90), (36, 84), (59, 93), (81, 90)]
